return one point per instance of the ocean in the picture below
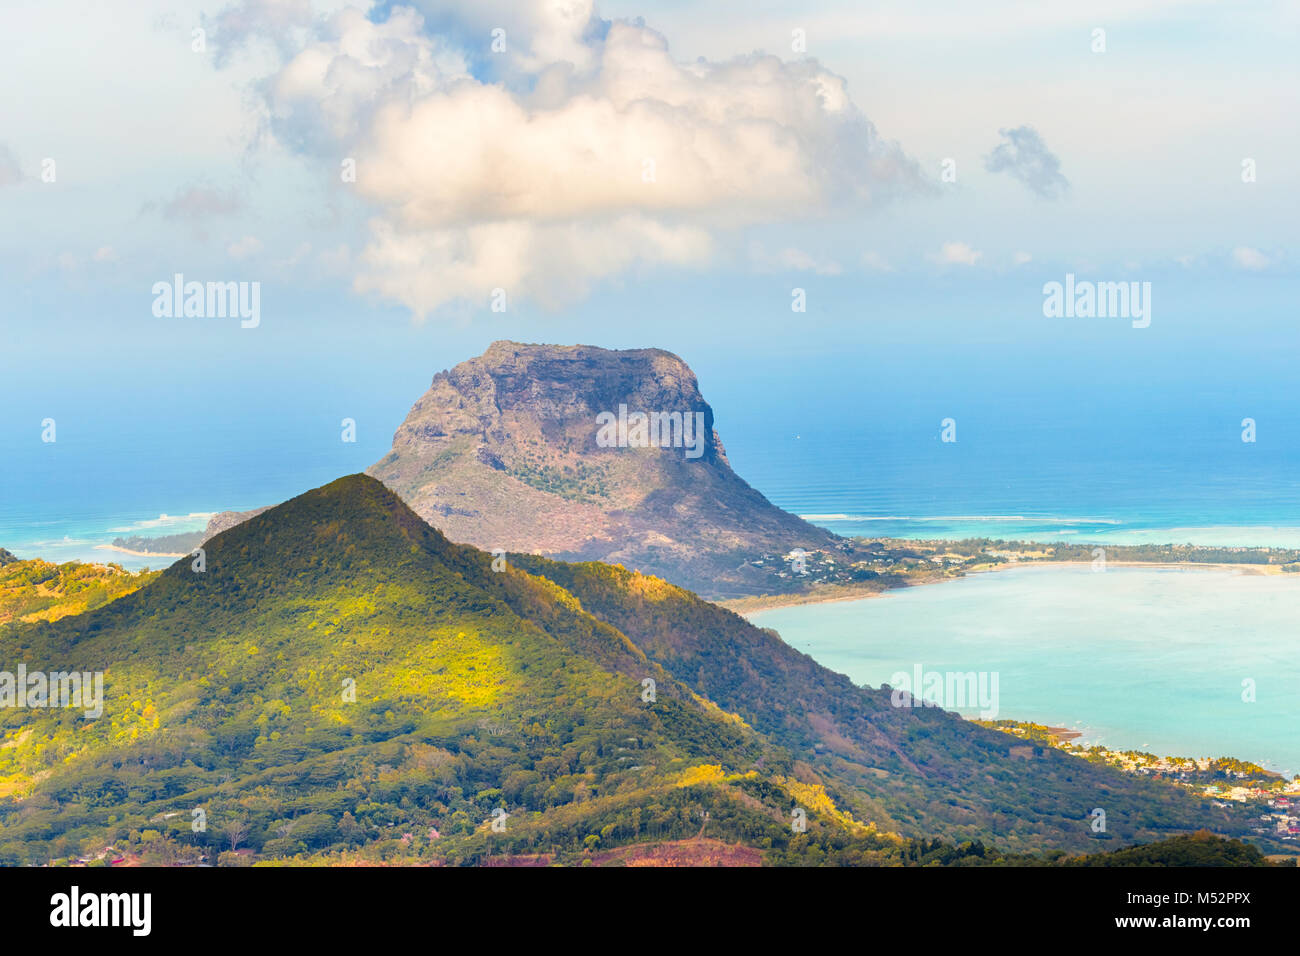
(1176, 473)
(1157, 479)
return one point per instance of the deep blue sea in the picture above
(1163, 478)
(1168, 474)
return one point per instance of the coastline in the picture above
(1083, 735)
(834, 593)
(142, 554)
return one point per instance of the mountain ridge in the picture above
(485, 682)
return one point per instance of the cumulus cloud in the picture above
(280, 22)
(1023, 154)
(532, 34)
(580, 150)
(1245, 257)
(553, 263)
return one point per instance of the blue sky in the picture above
(791, 146)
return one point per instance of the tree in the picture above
(236, 830)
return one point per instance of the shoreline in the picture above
(749, 606)
(142, 554)
(1061, 733)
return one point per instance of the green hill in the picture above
(1191, 849)
(342, 682)
(918, 772)
(41, 590)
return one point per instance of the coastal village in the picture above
(861, 567)
(1224, 780)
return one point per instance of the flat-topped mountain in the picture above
(584, 453)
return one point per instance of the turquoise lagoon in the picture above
(1153, 659)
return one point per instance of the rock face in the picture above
(225, 520)
(179, 545)
(539, 449)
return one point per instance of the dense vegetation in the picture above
(343, 683)
(918, 772)
(230, 692)
(574, 482)
(981, 548)
(1193, 849)
(40, 590)
(165, 544)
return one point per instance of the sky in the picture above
(407, 183)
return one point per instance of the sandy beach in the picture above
(142, 554)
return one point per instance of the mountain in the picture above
(228, 691)
(538, 449)
(341, 679)
(6, 557)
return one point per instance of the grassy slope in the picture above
(42, 591)
(224, 691)
(478, 689)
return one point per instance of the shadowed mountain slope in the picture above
(912, 770)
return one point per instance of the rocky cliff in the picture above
(584, 453)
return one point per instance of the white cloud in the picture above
(536, 34)
(1021, 258)
(958, 253)
(1244, 257)
(553, 263)
(876, 262)
(1023, 154)
(105, 254)
(596, 152)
